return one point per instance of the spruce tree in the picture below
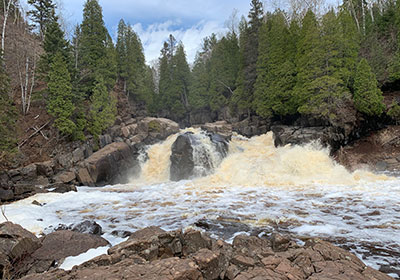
(59, 103)
(54, 43)
(275, 68)
(368, 98)
(243, 95)
(93, 43)
(102, 110)
(42, 14)
(8, 139)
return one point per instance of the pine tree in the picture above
(93, 43)
(54, 43)
(275, 68)
(368, 98)
(102, 108)
(8, 139)
(243, 95)
(122, 54)
(42, 14)
(59, 103)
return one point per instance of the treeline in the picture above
(281, 64)
(272, 64)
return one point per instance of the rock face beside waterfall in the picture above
(196, 155)
(153, 254)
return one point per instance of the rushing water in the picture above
(257, 188)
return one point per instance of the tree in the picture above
(54, 43)
(42, 14)
(59, 103)
(102, 110)
(93, 43)
(275, 68)
(368, 98)
(7, 6)
(7, 116)
(243, 95)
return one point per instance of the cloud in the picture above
(154, 35)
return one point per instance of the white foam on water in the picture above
(298, 190)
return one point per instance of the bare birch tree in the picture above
(6, 9)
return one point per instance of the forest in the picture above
(273, 64)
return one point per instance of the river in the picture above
(256, 189)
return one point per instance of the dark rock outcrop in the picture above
(183, 157)
(182, 163)
(155, 254)
(107, 165)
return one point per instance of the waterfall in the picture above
(251, 162)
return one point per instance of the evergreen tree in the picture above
(368, 98)
(93, 45)
(42, 14)
(275, 68)
(54, 43)
(102, 110)
(8, 140)
(243, 95)
(122, 54)
(59, 103)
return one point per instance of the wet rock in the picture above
(297, 135)
(156, 128)
(221, 127)
(381, 166)
(108, 165)
(90, 227)
(182, 163)
(194, 241)
(61, 188)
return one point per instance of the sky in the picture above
(188, 21)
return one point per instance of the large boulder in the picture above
(182, 163)
(57, 246)
(108, 165)
(190, 158)
(15, 244)
(221, 127)
(296, 135)
(156, 129)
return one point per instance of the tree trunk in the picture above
(3, 34)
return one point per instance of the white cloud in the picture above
(155, 34)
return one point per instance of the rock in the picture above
(42, 181)
(157, 128)
(58, 245)
(90, 227)
(29, 172)
(65, 177)
(221, 127)
(24, 188)
(182, 163)
(65, 161)
(381, 166)
(104, 140)
(153, 254)
(15, 244)
(108, 165)
(84, 177)
(45, 168)
(78, 155)
(61, 188)
(6, 195)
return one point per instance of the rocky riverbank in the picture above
(152, 253)
(93, 163)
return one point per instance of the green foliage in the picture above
(42, 14)
(394, 111)
(8, 141)
(154, 126)
(368, 98)
(94, 47)
(174, 81)
(102, 108)
(275, 68)
(54, 42)
(59, 103)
